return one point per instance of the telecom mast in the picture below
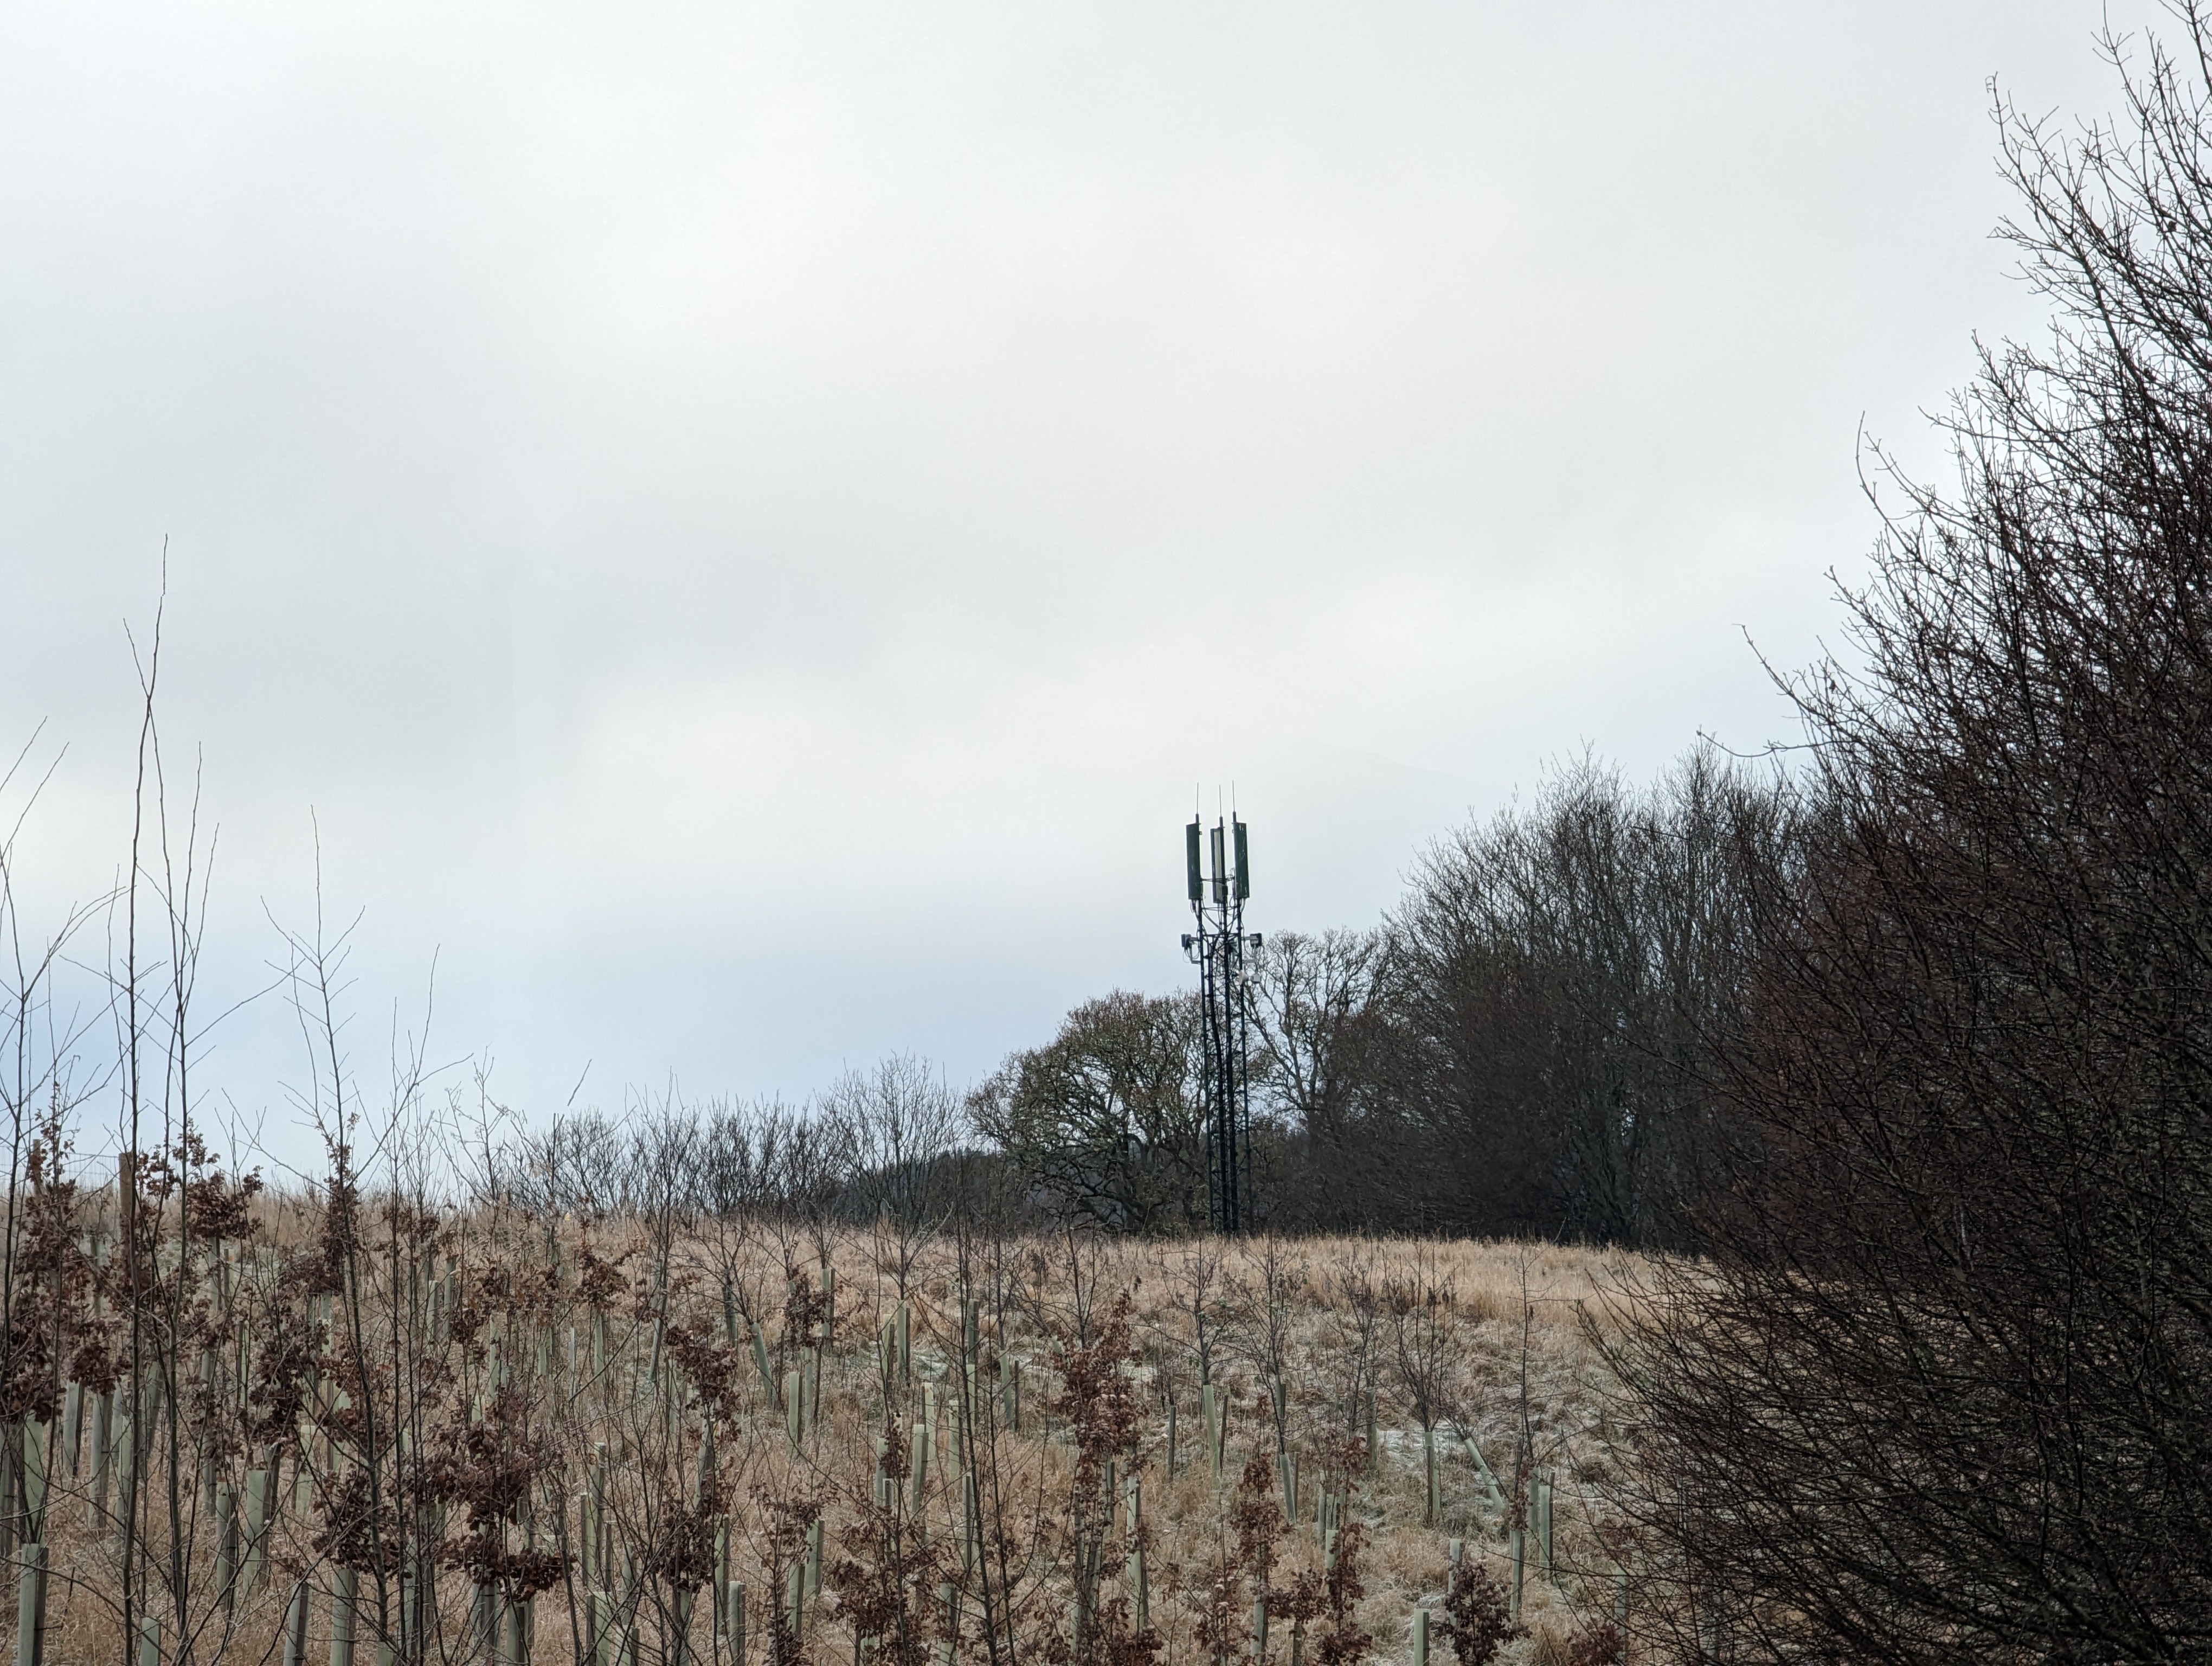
(1218, 946)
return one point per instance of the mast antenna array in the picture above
(1217, 892)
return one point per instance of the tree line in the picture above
(1523, 1048)
(1912, 1043)
(1908, 1042)
(1909, 1039)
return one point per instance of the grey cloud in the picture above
(730, 515)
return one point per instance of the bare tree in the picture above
(1942, 1392)
(902, 1123)
(1560, 977)
(1266, 1283)
(1193, 1275)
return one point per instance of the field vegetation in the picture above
(356, 1424)
(1767, 1215)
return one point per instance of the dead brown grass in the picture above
(1520, 1377)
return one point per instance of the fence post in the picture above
(1209, 1403)
(1544, 1523)
(126, 1456)
(678, 1651)
(484, 1622)
(226, 1546)
(767, 1370)
(410, 1600)
(520, 1626)
(103, 1435)
(37, 1440)
(599, 1640)
(72, 1427)
(31, 1606)
(303, 1476)
(1432, 1501)
(12, 1459)
(720, 1619)
(256, 1528)
(1489, 1480)
(708, 1472)
(296, 1626)
(342, 1617)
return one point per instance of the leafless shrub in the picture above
(1941, 1392)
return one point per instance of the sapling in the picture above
(1478, 1620)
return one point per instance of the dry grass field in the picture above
(782, 1439)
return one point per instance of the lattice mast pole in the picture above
(1217, 892)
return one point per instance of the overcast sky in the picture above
(749, 527)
